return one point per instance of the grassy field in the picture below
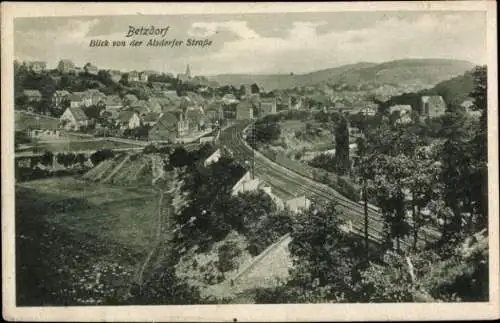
(24, 121)
(80, 243)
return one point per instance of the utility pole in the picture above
(253, 151)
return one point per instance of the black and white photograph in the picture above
(260, 155)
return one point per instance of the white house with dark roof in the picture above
(74, 118)
(298, 204)
(76, 100)
(129, 119)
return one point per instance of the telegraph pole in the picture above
(253, 151)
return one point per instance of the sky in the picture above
(256, 43)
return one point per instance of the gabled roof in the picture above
(94, 91)
(124, 116)
(194, 114)
(168, 117)
(61, 92)
(151, 117)
(433, 99)
(78, 114)
(268, 100)
(400, 107)
(76, 97)
(130, 97)
(113, 100)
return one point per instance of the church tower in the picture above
(188, 71)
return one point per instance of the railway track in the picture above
(285, 180)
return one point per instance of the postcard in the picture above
(250, 161)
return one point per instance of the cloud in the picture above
(237, 27)
(300, 44)
(431, 36)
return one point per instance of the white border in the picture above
(289, 312)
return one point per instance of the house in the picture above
(90, 69)
(151, 118)
(244, 111)
(144, 76)
(128, 99)
(249, 184)
(246, 184)
(32, 96)
(195, 118)
(94, 97)
(298, 204)
(213, 158)
(295, 103)
(129, 119)
(74, 119)
(268, 106)
(140, 106)
(155, 104)
(115, 75)
(37, 67)
(112, 104)
(76, 100)
(133, 76)
(169, 127)
(66, 66)
(278, 202)
(214, 113)
(432, 106)
(229, 99)
(59, 97)
(404, 113)
(368, 110)
(469, 107)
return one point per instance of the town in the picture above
(155, 188)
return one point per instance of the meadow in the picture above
(80, 242)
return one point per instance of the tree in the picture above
(47, 158)
(426, 276)
(255, 88)
(101, 155)
(390, 191)
(342, 146)
(80, 158)
(479, 176)
(324, 256)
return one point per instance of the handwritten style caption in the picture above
(159, 39)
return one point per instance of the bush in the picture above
(150, 149)
(227, 254)
(101, 155)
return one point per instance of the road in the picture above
(288, 184)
